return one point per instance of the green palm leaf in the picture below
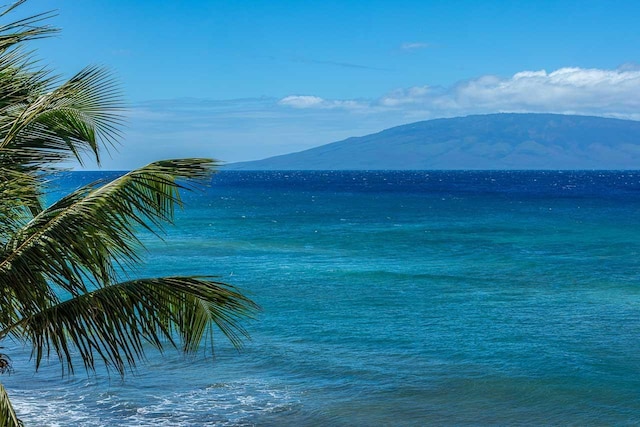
(21, 30)
(89, 236)
(112, 324)
(18, 193)
(42, 126)
(70, 120)
(8, 416)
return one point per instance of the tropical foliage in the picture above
(66, 287)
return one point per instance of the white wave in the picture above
(225, 404)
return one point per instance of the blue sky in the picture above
(246, 80)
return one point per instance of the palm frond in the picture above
(22, 79)
(71, 120)
(19, 198)
(24, 29)
(8, 416)
(113, 324)
(90, 235)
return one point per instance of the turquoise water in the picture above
(390, 298)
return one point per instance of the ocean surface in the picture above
(388, 298)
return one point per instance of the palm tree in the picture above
(65, 282)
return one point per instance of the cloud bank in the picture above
(566, 90)
(255, 128)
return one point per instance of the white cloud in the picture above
(405, 96)
(576, 90)
(307, 101)
(614, 93)
(302, 101)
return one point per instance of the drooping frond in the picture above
(42, 122)
(113, 324)
(84, 237)
(71, 120)
(8, 416)
(22, 80)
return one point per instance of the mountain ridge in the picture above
(478, 142)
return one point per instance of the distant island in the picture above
(493, 141)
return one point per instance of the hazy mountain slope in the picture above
(495, 141)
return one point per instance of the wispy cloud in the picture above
(412, 46)
(307, 101)
(629, 66)
(237, 129)
(301, 101)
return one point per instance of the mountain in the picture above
(494, 141)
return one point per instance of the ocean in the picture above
(388, 298)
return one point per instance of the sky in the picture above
(247, 80)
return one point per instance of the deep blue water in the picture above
(390, 298)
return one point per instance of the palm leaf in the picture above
(42, 124)
(113, 324)
(8, 416)
(21, 30)
(19, 196)
(89, 236)
(22, 79)
(69, 121)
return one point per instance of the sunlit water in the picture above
(390, 298)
